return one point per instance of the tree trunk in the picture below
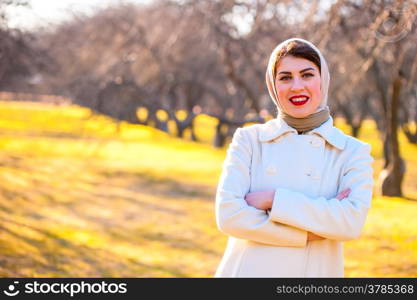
(355, 130)
(219, 138)
(155, 121)
(392, 176)
(387, 148)
(184, 124)
(180, 130)
(192, 129)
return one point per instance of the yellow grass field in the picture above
(83, 196)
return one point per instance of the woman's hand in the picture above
(264, 199)
(260, 200)
(343, 194)
(314, 237)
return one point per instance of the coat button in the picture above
(312, 175)
(271, 170)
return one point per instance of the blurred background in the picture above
(115, 117)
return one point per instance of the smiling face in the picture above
(297, 84)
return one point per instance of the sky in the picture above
(44, 12)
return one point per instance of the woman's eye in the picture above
(305, 75)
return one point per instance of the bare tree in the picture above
(195, 57)
(382, 52)
(20, 57)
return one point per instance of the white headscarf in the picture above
(325, 75)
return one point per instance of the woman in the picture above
(294, 189)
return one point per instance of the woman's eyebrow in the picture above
(302, 71)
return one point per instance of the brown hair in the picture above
(297, 49)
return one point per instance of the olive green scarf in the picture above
(308, 123)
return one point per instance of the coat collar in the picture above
(277, 127)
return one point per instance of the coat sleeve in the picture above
(331, 218)
(234, 216)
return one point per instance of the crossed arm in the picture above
(264, 200)
(293, 215)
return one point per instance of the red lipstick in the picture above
(299, 100)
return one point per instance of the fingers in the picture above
(343, 194)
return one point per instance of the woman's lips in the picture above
(298, 101)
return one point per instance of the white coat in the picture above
(306, 171)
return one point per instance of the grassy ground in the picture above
(81, 196)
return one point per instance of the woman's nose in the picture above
(297, 85)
